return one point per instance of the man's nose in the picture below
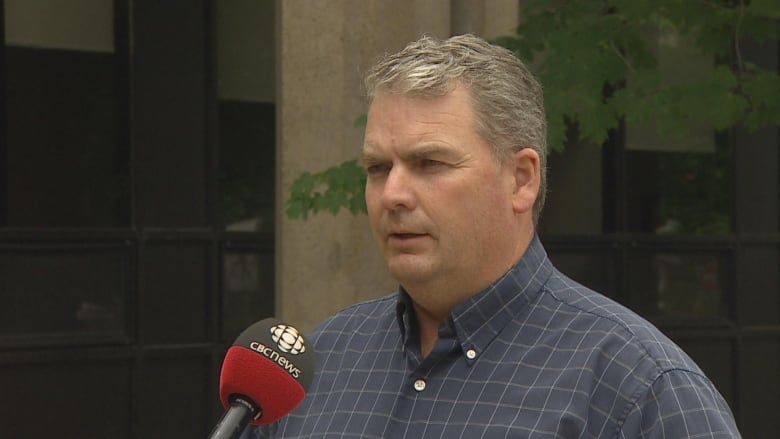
(398, 190)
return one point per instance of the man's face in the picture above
(439, 202)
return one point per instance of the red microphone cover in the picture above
(271, 364)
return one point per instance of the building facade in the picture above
(146, 152)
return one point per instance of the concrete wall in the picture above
(328, 262)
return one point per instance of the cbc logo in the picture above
(288, 339)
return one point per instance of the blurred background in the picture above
(147, 149)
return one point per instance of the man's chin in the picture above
(410, 269)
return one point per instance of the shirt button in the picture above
(471, 354)
(419, 385)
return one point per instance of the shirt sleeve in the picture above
(679, 404)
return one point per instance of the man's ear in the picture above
(527, 179)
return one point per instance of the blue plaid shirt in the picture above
(534, 355)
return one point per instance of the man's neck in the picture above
(434, 302)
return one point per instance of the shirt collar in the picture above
(481, 318)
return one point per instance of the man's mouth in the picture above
(405, 235)
(399, 237)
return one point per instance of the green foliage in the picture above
(599, 64)
(337, 187)
(329, 190)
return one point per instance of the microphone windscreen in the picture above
(271, 364)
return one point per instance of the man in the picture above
(485, 338)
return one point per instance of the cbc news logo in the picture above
(288, 339)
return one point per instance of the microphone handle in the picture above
(234, 419)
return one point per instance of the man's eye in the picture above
(428, 163)
(377, 169)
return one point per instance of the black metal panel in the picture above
(175, 290)
(174, 396)
(62, 161)
(247, 166)
(758, 299)
(757, 167)
(595, 266)
(759, 381)
(169, 94)
(681, 287)
(87, 399)
(59, 293)
(247, 288)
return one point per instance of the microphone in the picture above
(264, 376)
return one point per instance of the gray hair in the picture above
(507, 99)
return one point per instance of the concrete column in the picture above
(327, 262)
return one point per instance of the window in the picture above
(136, 208)
(64, 149)
(687, 233)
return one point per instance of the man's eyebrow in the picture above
(427, 150)
(369, 156)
